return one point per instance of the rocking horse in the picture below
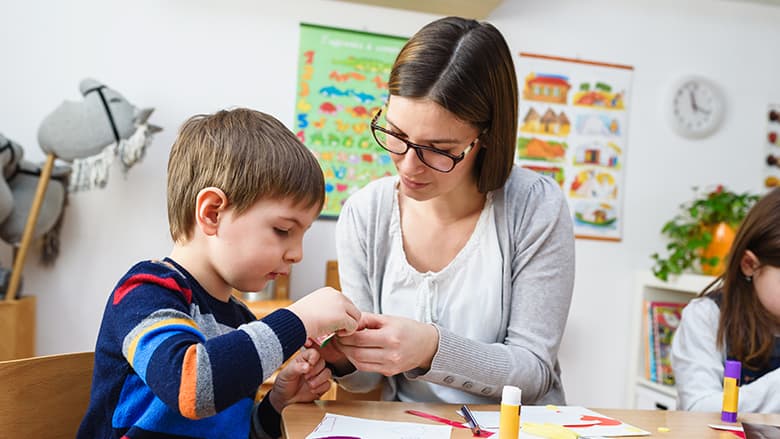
(87, 135)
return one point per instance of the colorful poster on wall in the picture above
(342, 82)
(572, 128)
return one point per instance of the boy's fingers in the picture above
(312, 356)
(301, 367)
(319, 379)
(322, 388)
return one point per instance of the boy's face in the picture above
(262, 243)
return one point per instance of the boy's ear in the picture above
(210, 205)
(748, 263)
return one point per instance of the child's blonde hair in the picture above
(247, 154)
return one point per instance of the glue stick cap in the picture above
(732, 369)
(511, 395)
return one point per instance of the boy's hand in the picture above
(339, 364)
(304, 379)
(326, 310)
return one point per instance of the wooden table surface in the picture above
(299, 420)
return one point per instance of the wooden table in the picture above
(298, 420)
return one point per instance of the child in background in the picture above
(177, 355)
(737, 317)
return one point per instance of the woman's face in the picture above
(426, 123)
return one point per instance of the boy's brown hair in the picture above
(247, 154)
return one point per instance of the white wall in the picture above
(186, 57)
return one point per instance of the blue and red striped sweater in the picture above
(173, 361)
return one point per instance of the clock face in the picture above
(697, 107)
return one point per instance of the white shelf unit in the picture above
(642, 393)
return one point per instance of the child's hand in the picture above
(304, 379)
(326, 310)
(332, 355)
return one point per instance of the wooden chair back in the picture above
(332, 274)
(44, 396)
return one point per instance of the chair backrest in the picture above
(332, 274)
(44, 396)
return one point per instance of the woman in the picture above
(463, 262)
(737, 317)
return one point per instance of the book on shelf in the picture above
(662, 320)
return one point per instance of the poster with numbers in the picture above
(572, 127)
(342, 78)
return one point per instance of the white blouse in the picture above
(464, 297)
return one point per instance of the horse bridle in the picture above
(99, 90)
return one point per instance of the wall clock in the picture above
(696, 107)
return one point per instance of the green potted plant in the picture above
(701, 234)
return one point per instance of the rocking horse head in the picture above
(87, 134)
(80, 129)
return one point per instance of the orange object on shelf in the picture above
(722, 238)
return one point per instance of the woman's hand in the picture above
(389, 344)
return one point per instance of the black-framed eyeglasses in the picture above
(435, 159)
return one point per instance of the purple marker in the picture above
(731, 373)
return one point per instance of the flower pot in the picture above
(722, 238)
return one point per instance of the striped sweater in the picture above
(173, 361)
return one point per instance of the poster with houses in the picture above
(342, 78)
(573, 128)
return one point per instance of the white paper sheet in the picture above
(348, 427)
(592, 424)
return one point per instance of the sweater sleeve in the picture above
(698, 366)
(166, 349)
(542, 281)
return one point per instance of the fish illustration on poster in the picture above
(572, 128)
(342, 82)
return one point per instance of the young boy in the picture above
(177, 355)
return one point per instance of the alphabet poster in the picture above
(342, 78)
(573, 128)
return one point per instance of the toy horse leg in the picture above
(24, 244)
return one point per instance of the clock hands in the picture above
(693, 100)
(696, 108)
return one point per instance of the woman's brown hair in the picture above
(466, 67)
(746, 329)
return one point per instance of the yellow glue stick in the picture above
(509, 420)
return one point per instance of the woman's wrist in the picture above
(431, 346)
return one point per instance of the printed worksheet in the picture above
(343, 427)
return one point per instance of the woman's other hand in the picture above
(390, 344)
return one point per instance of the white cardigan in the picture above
(536, 241)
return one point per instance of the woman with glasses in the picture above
(463, 262)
